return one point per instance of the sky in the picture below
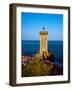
(32, 24)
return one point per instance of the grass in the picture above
(36, 68)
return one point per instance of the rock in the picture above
(33, 68)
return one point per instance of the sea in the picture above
(31, 47)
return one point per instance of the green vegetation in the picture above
(36, 68)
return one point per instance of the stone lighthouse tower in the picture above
(43, 42)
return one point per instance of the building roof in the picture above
(43, 33)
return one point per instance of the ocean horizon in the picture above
(31, 47)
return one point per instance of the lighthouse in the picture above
(43, 42)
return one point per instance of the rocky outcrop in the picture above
(34, 66)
